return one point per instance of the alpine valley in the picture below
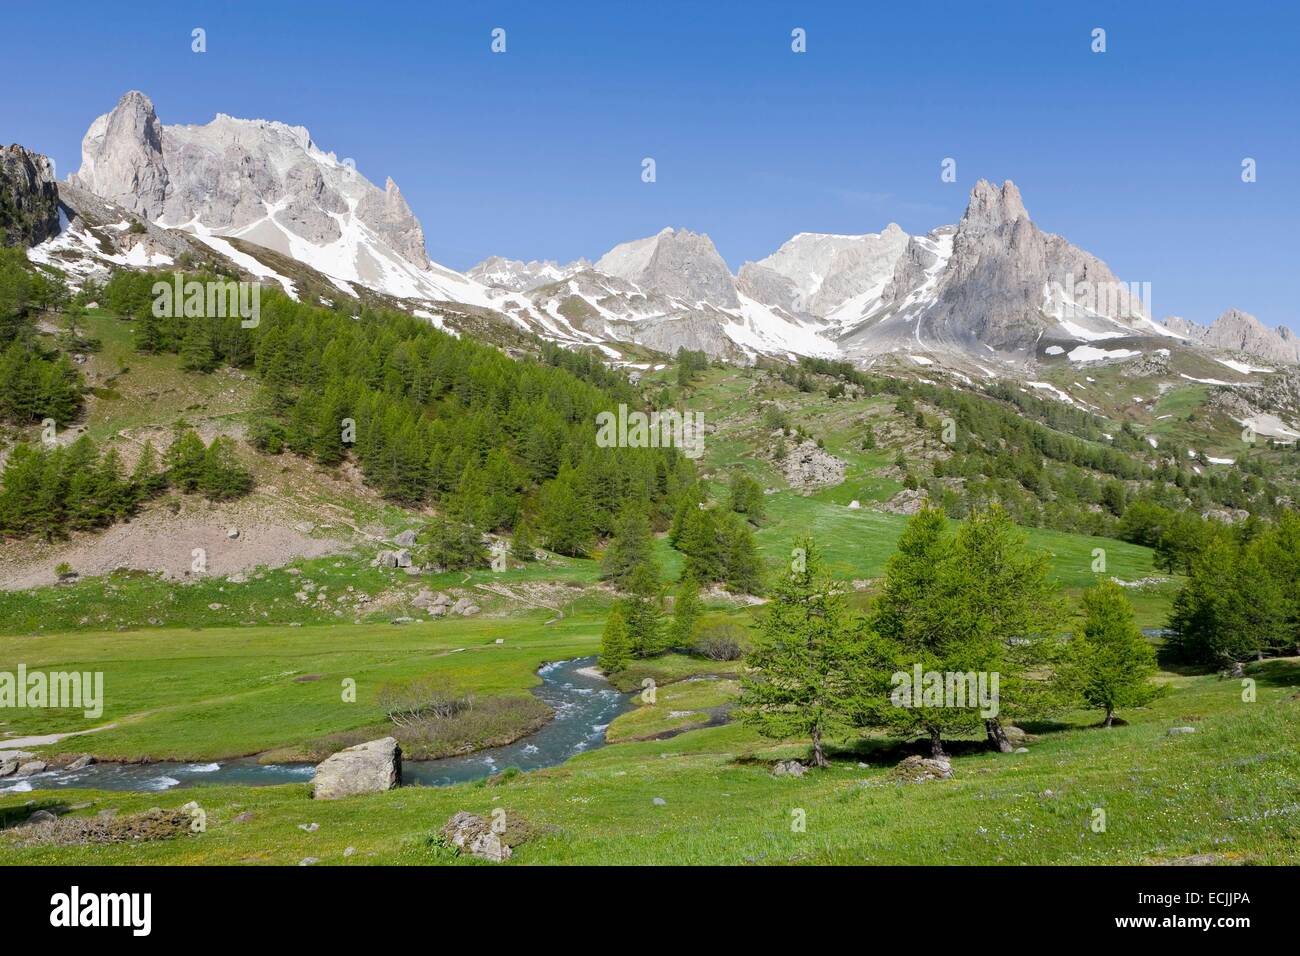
(366, 582)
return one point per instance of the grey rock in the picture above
(807, 467)
(1181, 730)
(405, 540)
(470, 833)
(29, 198)
(40, 816)
(402, 558)
(659, 802)
(366, 768)
(916, 769)
(31, 767)
(789, 768)
(309, 827)
(81, 763)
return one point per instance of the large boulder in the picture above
(470, 833)
(405, 540)
(789, 768)
(366, 768)
(32, 767)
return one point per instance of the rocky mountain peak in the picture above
(991, 206)
(675, 262)
(122, 157)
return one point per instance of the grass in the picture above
(1231, 789)
(203, 695)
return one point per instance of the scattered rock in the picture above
(366, 768)
(907, 502)
(470, 833)
(464, 607)
(245, 816)
(40, 816)
(1181, 730)
(659, 802)
(232, 533)
(916, 769)
(789, 768)
(349, 851)
(309, 827)
(308, 860)
(808, 467)
(438, 610)
(1021, 750)
(403, 620)
(8, 766)
(855, 504)
(1196, 859)
(81, 763)
(31, 767)
(304, 527)
(402, 558)
(214, 606)
(405, 540)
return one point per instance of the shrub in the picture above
(721, 641)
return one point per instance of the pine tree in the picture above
(631, 548)
(804, 675)
(184, 460)
(687, 609)
(1109, 663)
(197, 353)
(643, 614)
(566, 521)
(146, 478)
(996, 604)
(701, 544)
(521, 542)
(615, 645)
(742, 570)
(746, 498)
(222, 477)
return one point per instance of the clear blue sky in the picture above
(1133, 154)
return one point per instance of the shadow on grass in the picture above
(14, 816)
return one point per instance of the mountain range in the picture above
(992, 294)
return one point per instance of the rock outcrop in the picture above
(29, 198)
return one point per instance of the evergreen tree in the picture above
(566, 521)
(221, 476)
(184, 460)
(644, 616)
(701, 544)
(687, 609)
(631, 548)
(746, 498)
(804, 675)
(742, 570)
(522, 547)
(1109, 663)
(451, 544)
(615, 644)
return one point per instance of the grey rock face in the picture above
(677, 263)
(366, 768)
(1241, 332)
(29, 199)
(815, 273)
(232, 174)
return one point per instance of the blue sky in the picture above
(1134, 154)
